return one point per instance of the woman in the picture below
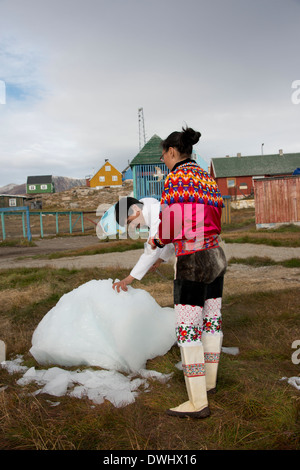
(191, 209)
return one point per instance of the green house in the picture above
(149, 172)
(39, 184)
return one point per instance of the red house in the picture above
(235, 175)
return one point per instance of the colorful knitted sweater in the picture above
(191, 209)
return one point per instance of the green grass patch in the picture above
(257, 261)
(117, 248)
(17, 242)
(262, 241)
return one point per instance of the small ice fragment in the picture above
(232, 351)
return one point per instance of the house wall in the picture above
(148, 180)
(235, 186)
(106, 176)
(11, 201)
(277, 200)
(35, 188)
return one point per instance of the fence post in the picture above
(41, 225)
(226, 213)
(28, 224)
(3, 225)
(23, 224)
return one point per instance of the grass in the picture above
(257, 261)
(252, 408)
(263, 240)
(110, 247)
(17, 242)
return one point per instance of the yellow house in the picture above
(108, 175)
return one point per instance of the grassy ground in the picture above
(252, 409)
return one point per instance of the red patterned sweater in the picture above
(191, 209)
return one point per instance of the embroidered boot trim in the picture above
(193, 370)
(211, 357)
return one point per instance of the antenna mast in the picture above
(142, 134)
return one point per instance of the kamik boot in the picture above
(194, 374)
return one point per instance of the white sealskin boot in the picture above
(194, 374)
(212, 344)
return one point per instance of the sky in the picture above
(73, 74)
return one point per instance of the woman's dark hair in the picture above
(123, 209)
(182, 141)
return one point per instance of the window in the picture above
(12, 202)
(43, 186)
(230, 182)
(114, 178)
(32, 187)
(107, 168)
(102, 178)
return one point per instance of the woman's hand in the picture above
(123, 284)
(152, 244)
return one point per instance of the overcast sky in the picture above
(76, 72)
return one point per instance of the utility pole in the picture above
(142, 134)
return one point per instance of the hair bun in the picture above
(190, 136)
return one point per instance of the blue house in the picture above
(149, 172)
(200, 161)
(127, 174)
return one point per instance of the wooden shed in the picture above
(108, 175)
(277, 201)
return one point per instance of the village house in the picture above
(40, 184)
(107, 176)
(127, 173)
(11, 200)
(235, 175)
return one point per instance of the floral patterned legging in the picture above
(193, 320)
(198, 289)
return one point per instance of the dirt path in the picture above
(13, 257)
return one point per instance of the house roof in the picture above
(107, 162)
(23, 196)
(43, 179)
(150, 153)
(256, 165)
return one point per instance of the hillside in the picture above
(61, 183)
(83, 198)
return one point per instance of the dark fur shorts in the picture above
(199, 276)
